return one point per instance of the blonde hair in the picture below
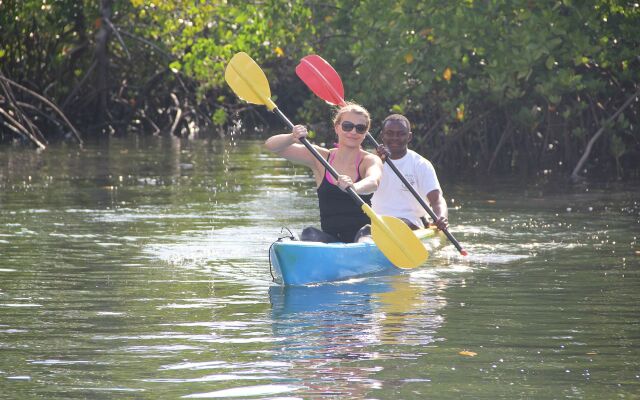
(353, 108)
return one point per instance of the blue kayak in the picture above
(300, 263)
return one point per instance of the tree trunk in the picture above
(102, 62)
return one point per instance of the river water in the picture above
(138, 268)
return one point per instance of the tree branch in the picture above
(49, 103)
(115, 32)
(574, 175)
(18, 128)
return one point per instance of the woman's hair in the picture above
(353, 108)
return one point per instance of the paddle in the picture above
(394, 239)
(325, 82)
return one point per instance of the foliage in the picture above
(492, 86)
(165, 66)
(515, 85)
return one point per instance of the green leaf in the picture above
(219, 117)
(550, 62)
(397, 109)
(175, 66)
(617, 146)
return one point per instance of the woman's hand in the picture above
(344, 181)
(298, 132)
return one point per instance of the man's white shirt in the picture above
(393, 198)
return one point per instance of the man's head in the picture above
(396, 134)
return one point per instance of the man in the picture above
(392, 197)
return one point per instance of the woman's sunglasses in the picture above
(347, 126)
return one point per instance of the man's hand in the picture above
(383, 153)
(442, 223)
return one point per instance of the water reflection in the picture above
(408, 312)
(322, 330)
(338, 337)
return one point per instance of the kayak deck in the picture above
(301, 263)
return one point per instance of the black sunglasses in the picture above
(347, 126)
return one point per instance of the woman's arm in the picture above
(288, 145)
(373, 172)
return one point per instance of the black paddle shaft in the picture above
(317, 155)
(415, 194)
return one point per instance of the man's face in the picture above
(396, 137)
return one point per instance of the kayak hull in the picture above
(302, 263)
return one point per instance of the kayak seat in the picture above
(311, 234)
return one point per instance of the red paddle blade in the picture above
(321, 78)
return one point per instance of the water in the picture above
(139, 269)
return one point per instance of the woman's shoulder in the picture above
(370, 158)
(324, 152)
(367, 154)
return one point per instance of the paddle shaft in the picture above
(317, 155)
(415, 194)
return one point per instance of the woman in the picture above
(340, 217)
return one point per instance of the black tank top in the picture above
(340, 215)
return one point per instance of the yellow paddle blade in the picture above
(248, 81)
(396, 240)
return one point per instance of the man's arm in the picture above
(440, 209)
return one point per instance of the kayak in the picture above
(297, 262)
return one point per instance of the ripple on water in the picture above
(196, 366)
(20, 305)
(19, 377)
(67, 362)
(214, 378)
(246, 391)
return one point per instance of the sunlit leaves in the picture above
(446, 75)
(219, 117)
(460, 112)
(175, 66)
(408, 58)
(197, 32)
(397, 109)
